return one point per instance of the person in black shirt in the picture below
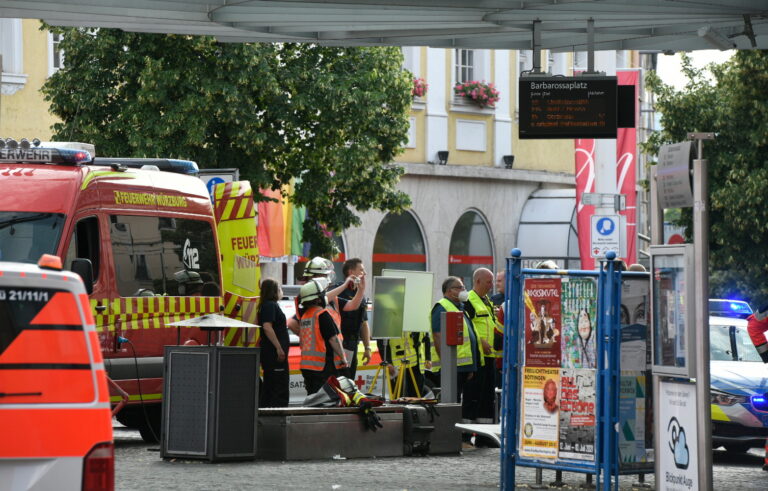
(274, 347)
(354, 323)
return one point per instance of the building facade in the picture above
(477, 189)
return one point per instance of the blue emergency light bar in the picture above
(740, 307)
(168, 165)
(730, 308)
(760, 403)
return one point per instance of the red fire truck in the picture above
(148, 246)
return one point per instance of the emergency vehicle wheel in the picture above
(737, 447)
(150, 434)
(133, 417)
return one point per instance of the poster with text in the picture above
(577, 414)
(678, 449)
(542, 322)
(632, 404)
(635, 345)
(579, 314)
(541, 407)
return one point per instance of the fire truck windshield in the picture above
(25, 236)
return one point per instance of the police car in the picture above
(739, 380)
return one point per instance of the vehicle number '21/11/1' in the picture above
(16, 295)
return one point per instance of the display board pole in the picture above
(701, 303)
(657, 212)
(448, 368)
(511, 366)
(614, 367)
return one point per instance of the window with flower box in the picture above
(470, 65)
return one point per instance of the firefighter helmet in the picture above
(313, 289)
(319, 266)
(188, 281)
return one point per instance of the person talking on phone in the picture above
(354, 321)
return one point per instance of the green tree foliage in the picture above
(333, 118)
(735, 106)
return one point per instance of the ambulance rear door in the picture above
(54, 402)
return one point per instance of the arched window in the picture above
(471, 247)
(399, 244)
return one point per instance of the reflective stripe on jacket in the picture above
(463, 352)
(484, 321)
(313, 349)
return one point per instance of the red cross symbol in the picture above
(360, 382)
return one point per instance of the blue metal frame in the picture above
(606, 464)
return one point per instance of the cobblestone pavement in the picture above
(138, 466)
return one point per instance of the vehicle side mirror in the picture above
(84, 268)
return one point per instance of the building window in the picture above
(465, 65)
(55, 54)
(399, 244)
(470, 248)
(412, 60)
(12, 56)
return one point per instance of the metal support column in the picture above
(536, 45)
(701, 303)
(511, 367)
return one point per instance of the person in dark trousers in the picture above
(468, 357)
(354, 323)
(274, 347)
(480, 310)
(322, 355)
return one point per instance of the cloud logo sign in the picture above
(677, 443)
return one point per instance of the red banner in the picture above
(626, 167)
(585, 183)
(626, 180)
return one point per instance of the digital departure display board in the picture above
(567, 107)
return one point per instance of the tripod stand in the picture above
(383, 365)
(400, 382)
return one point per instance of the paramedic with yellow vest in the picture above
(479, 309)
(468, 357)
(321, 353)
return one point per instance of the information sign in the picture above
(605, 235)
(212, 177)
(673, 176)
(567, 107)
(678, 442)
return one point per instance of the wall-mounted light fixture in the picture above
(442, 157)
(716, 38)
(509, 161)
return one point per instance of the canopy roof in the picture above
(678, 25)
